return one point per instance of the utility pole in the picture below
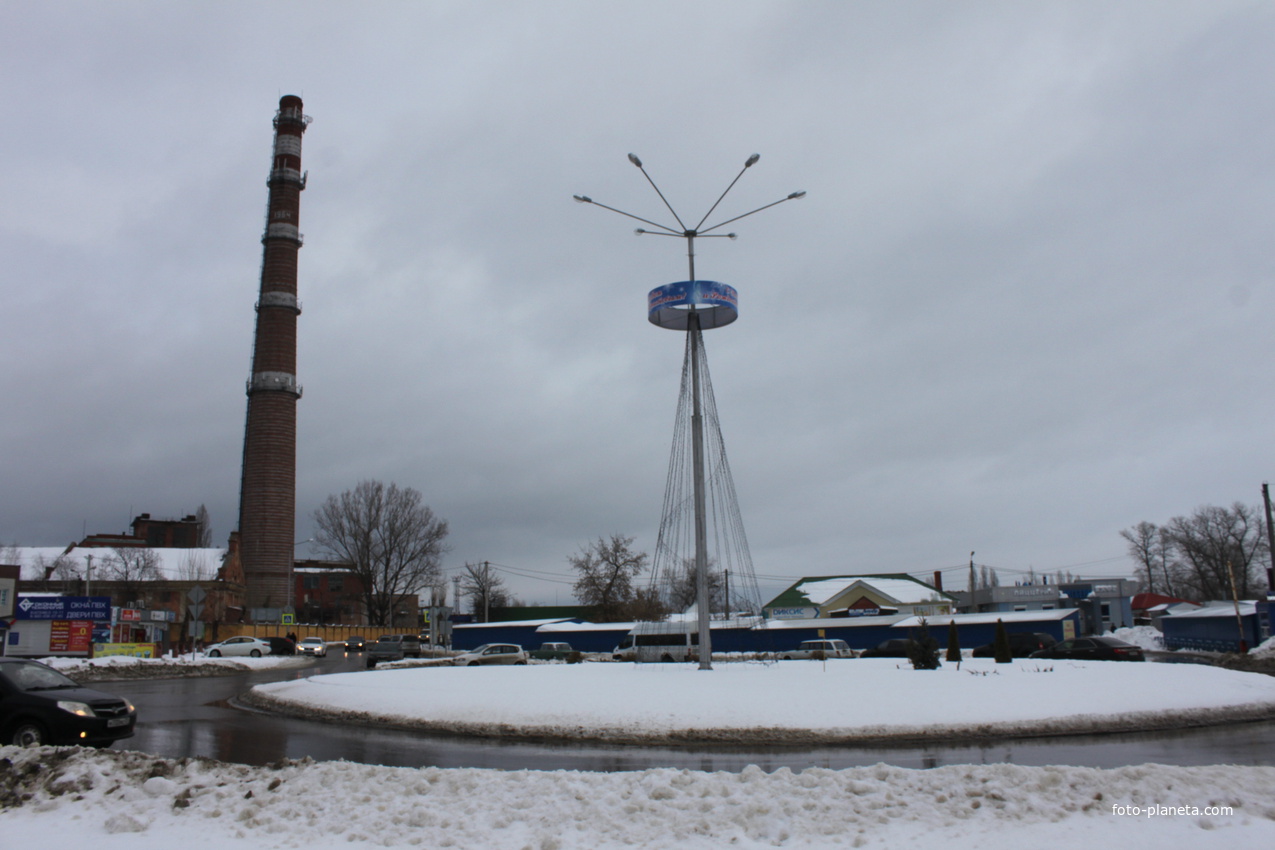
(1239, 620)
(456, 592)
(1270, 542)
(973, 582)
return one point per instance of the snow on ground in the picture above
(810, 701)
(1147, 637)
(1265, 650)
(116, 800)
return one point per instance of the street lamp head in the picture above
(633, 159)
(795, 195)
(583, 199)
(752, 160)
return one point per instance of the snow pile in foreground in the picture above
(131, 667)
(1265, 650)
(789, 702)
(71, 665)
(112, 800)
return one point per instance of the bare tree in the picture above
(132, 567)
(607, 569)
(1150, 547)
(204, 540)
(485, 589)
(683, 587)
(388, 538)
(130, 564)
(648, 604)
(197, 565)
(1212, 544)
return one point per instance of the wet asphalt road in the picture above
(196, 717)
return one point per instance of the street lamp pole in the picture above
(693, 326)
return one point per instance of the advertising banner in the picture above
(715, 303)
(136, 650)
(70, 636)
(64, 608)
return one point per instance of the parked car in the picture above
(315, 646)
(355, 643)
(819, 649)
(1097, 648)
(411, 643)
(892, 648)
(386, 648)
(555, 651)
(39, 705)
(1021, 645)
(492, 653)
(242, 645)
(281, 645)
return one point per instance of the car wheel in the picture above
(216, 653)
(256, 653)
(787, 658)
(516, 663)
(28, 733)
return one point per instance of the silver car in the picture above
(242, 645)
(819, 649)
(492, 653)
(312, 646)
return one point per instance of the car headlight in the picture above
(80, 709)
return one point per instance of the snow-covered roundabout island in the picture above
(806, 702)
(120, 800)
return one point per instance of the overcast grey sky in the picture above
(1026, 303)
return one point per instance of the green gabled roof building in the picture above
(862, 595)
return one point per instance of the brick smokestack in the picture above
(267, 490)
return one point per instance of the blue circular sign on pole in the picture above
(670, 306)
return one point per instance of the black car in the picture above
(893, 648)
(281, 646)
(1021, 645)
(1097, 648)
(354, 644)
(39, 705)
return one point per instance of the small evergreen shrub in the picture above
(1000, 645)
(923, 652)
(953, 643)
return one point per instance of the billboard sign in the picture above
(793, 613)
(70, 636)
(670, 306)
(63, 608)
